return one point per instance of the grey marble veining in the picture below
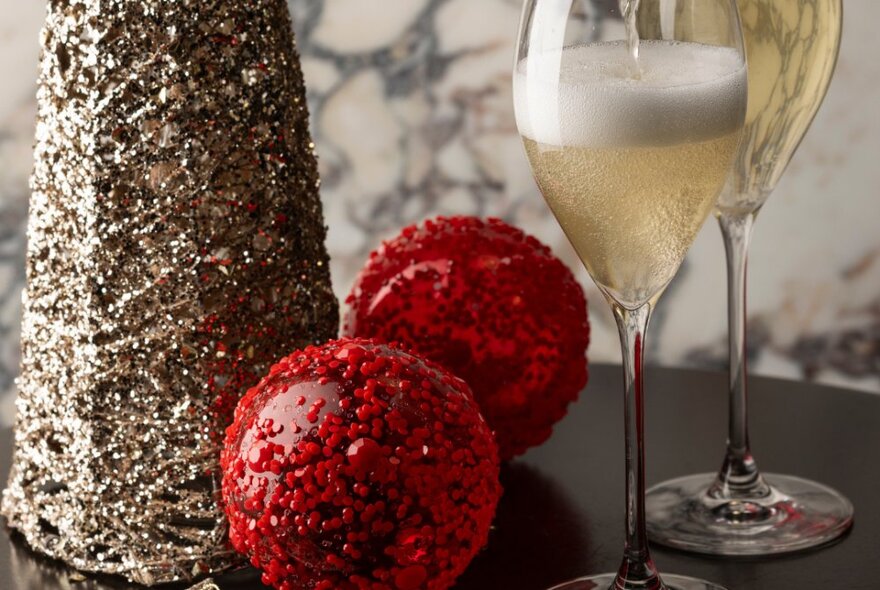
(412, 115)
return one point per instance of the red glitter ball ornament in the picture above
(358, 466)
(494, 306)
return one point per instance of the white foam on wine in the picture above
(585, 95)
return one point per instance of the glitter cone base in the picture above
(176, 249)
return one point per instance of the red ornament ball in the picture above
(494, 306)
(358, 466)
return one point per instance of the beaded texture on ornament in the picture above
(490, 303)
(358, 466)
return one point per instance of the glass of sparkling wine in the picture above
(631, 116)
(792, 48)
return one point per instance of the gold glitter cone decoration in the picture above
(176, 250)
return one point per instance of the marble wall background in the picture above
(412, 116)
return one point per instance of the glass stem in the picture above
(739, 476)
(637, 570)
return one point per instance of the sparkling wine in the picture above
(631, 166)
(792, 48)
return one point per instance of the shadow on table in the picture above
(538, 539)
(32, 571)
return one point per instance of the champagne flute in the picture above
(792, 48)
(630, 124)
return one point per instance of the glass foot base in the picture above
(796, 515)
(606, 582)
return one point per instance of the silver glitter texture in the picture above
(176, 248)
(205, 585)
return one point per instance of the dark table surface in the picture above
(562, 511)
